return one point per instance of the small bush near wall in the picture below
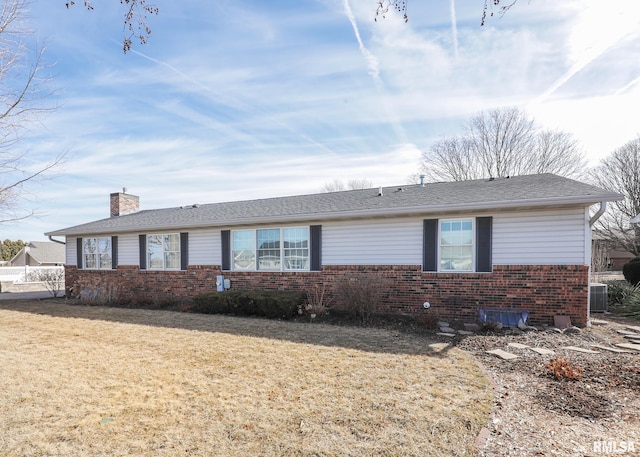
(631, 271)
(362, 294)
(274, 304)
(624, 298)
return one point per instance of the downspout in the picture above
(595, 217)
(56, 241)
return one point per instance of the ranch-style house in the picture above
(520, 242)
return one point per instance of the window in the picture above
(96, 253)
(456, 245)
(268, 249)
(296, 248)
(273, 249)
(163, 251)
(243, 252)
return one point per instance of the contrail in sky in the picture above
(374, 71)
(238, 103)
(372, 62)
(454, 27)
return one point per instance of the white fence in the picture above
(22, 275)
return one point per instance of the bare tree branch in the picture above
(503, 142)
(353, 184)
(135, 20)
(400, 6)
(619, 173)
(23, 95)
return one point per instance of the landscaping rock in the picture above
(583, 350)
(572, 331)
(542, 351)
(561, 322)
(526, 328)
(612, 349)
(518, 345)
(439, 347)
(503, 354)
(635, 347)
(471, 327)
(447, 334)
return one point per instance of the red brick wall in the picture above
(543, 290)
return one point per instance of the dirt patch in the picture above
(536, 414)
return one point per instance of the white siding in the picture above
(71, 251)
(372, 242)
(554, 237)
(557, 237)
(205, 247)
(128, 250)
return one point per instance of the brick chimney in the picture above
(123, 203)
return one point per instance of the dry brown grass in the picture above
(89, 381)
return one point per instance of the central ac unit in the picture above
(598, 301)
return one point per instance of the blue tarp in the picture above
(507, 317)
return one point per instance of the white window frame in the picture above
(472, 245)
(98, 254)
(285, 257)
(164, 251)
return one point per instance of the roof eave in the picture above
(357, 214)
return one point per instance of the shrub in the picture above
(362, 294)
(317, 302)
(51, 278)
(274, 304)
(630, 304)
(489, 327)
(563, 370)
(97, 290)
(631, 271)
(616, 292)
(428, 320)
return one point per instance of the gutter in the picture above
(56, 241)
(600, 212)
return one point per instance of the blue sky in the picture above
(246, 99)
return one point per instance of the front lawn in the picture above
(94, 381)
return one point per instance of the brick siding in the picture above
(543, 290)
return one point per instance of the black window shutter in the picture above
(143, 252)
(483, 244)
(114, 252)
(184, 250)
(430, 245)
(79, 253)
(226, 249)
(315, 233)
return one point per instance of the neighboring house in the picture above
(522, 242)
(612, 256)
(40, 254)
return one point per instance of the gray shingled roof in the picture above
(45, 252)
(515, 192)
